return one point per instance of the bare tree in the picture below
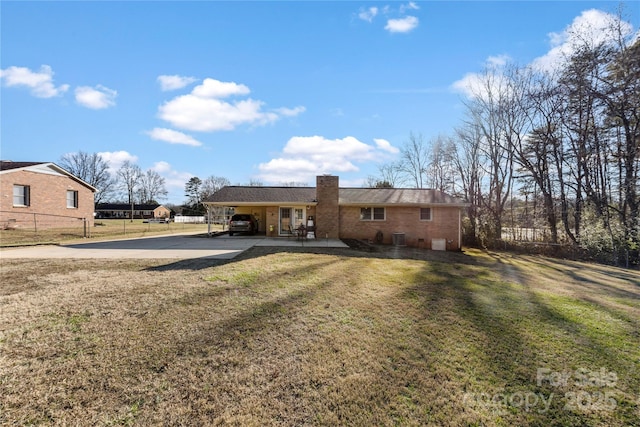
(391, 173)
(489, 108)
(212, 184)
(294, 184)
(373, 182)
(390, 176)
(621, 99)
(414, 158)
(208, 188)
(128, 180)
(92, 169)
(441, 167)
(568, 142)
(469, 164)
(533, 121)
(151, 188)
(601, 118)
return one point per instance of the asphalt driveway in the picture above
(173, 247)
(182, 246)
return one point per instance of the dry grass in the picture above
(104, 229)
(296, 338)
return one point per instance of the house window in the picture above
(372, 214)
(72, 199)
(425, 214)
(21, 195)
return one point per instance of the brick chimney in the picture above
(327, 210)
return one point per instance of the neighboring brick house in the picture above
(123, 210)
(413, 217)
(43, 195)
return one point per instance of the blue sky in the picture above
(268, 91)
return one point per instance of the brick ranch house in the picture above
(123, 210)
(43, 195)
(413, 217)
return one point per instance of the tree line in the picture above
(131, 185)
(554, 150)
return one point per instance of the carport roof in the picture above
(256, 196)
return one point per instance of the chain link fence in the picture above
(29, 226)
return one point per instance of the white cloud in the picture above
(202, 110)
(468, 85)
(161, 167)
(115, 159)
(479, 85)
(209, 115)
(328, 151)
(174, 180)
(96, 98)
(288, 170)
(368, 14)
(402, 25)
(592, 26)
(174, 82)
(305, 157)
(212, 88)
(385, 145)
(498, 61)
(290, 112)
(173, 137)
(409, 6)
(40, 83)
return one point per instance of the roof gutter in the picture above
(280, 203)
(408, 205)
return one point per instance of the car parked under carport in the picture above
(243, 223)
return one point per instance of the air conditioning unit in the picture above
(399, 239)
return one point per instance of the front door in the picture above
(293, 217)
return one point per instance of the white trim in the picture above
(430, 214)
(373, 214)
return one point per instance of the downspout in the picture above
(459, 228)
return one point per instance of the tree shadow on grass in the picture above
(614, 280)
(358, 251)
(508, 331)
(261, 313)
(490, 308)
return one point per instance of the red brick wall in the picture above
(48, 199)
(443, 225)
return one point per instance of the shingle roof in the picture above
(8, 164)
(242, 195)
(263, 195)
(395, 196)
(124, 207)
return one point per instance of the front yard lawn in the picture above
(342, 337)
